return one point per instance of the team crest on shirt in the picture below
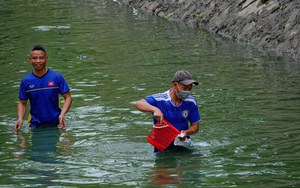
(51, 83)
(185, 113)
(31, 86)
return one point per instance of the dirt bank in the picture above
(271, 25)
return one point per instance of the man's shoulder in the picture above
(53, 72)
(29, 75)
(191, 99)
(161, 96)
(56, 74)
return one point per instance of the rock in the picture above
(272, 25)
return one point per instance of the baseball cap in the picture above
(184, 77)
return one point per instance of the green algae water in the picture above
(112, 56)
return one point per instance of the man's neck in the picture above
(40, 73)
(175, 100)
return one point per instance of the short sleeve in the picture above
(63, 85)
(22, 91)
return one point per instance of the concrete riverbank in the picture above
(271, 25)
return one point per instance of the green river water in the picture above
(112, 56)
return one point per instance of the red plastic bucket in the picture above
(162, 135)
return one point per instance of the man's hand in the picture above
(184, 135)
(62, 122)
(18, 124)
(158, 115)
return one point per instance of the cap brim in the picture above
(189, 82)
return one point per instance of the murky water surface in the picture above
(113, 56)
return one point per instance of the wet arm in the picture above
(66, 106)
(67, 103)
(144, 106)
(21, 109)
(194, 128)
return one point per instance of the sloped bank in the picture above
(268, 24)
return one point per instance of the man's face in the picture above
(38, 59)
(184, 87)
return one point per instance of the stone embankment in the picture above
(271, 25)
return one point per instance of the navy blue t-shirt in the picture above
(43, 95)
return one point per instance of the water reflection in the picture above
(42, 152)
(43, 145)
(174, 168)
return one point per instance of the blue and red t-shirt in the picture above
(179, 116)
(43, 94)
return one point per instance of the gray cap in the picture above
(184, 77)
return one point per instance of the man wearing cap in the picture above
(176, 105)
(42, 87)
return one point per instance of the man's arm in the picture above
(144, 106)
(66, 106)
(21, 109)
(194, 128)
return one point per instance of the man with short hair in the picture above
(176, 105)
(42, 87)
